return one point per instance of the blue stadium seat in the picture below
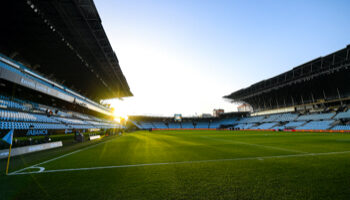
(316, 125)
(343, 115)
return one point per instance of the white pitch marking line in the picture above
(41, 169)
(185, 162)
(62, 156)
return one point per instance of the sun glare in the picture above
(119, 116)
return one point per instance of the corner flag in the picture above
(8, 137)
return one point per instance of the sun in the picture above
(120, 117)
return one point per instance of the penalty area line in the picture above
(183, 162)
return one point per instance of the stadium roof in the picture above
(324, 78)
(64, 40)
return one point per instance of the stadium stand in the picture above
(39, 86)
(323, 116)
(174, 125)
(254, 119)
(343, 115)
(244, 126)
(38, 119)
(265, 126)
(280, 117)
(228, 121)
(281, 121)
(341, 127)
(202, 125)
(160, 125)
(147, 125)
(187, 125)
(216, 124)
(316, 125)
(293, 125)
(299, 99)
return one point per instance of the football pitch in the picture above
(188, 165)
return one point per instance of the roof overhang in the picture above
(65, 41)
(328, 74)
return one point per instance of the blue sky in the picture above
(182, 56)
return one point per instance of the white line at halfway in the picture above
(62, 156)
(183, 162)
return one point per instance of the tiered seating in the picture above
(289, 125)
(228, 121)
(160, 125)
(137, 124)
(265, 126)
(70, 121)
(323, 116)
(187, 125)
(146, 125)
(244, 126)
(343, 115)
(11, 104)
(254, 119)
(97, 119)
(16, 116)
(282, 121)
(215, 124)
(341, 127)
(64, 114)
(35, 117)
(279, 127)
(30, 125)
(202, 125)
(174, 125)
(292, 125)
(82, 126)
(271, 118)
(225, 121)
(99, 124)
(84, 117)
(286, 117)
(316, 125)
(7, 115)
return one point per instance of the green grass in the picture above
(233, 165)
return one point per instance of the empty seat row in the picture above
(265, 126)
(160, 125)
(343, 115)
(187, 125)
(341, 127)
(254, 119)
(70, 121)
(28, 125)
(174, 125)
(202, 125)
(244, 126)
(323, 116)
(292, 125)
(316, 125)
(7, 115)
(11, 104)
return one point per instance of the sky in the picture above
(183, 56)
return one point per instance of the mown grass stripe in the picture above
(183, 162)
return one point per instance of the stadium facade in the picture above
(56, 64)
